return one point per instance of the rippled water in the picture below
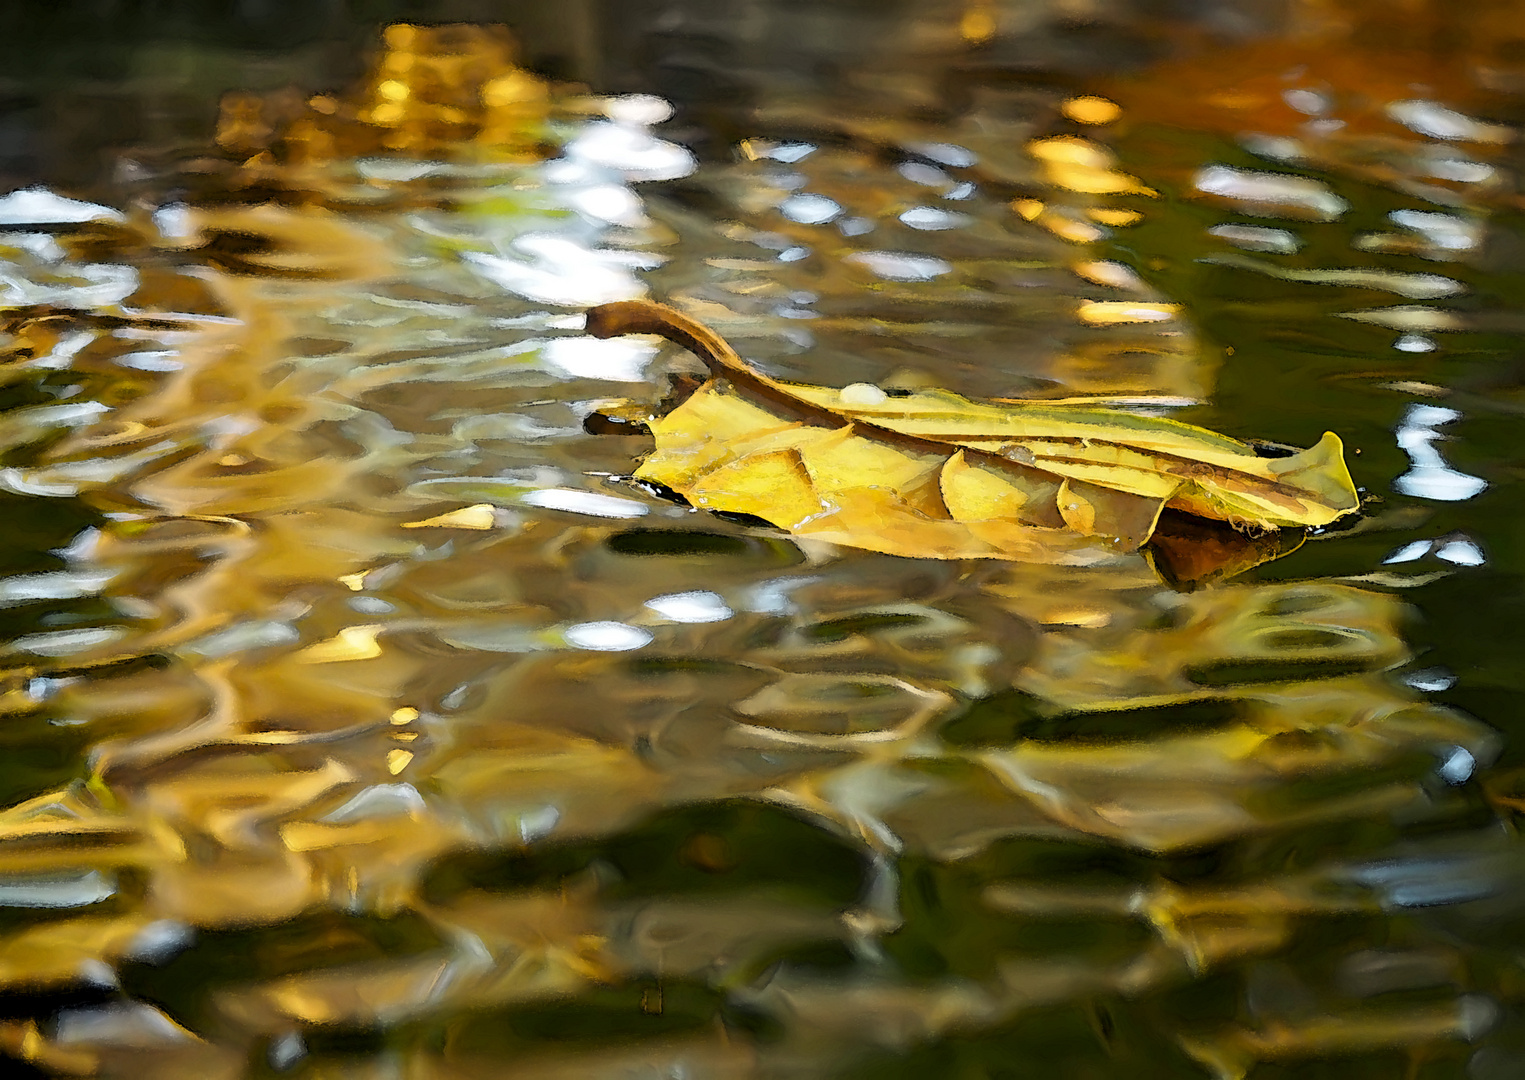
(363, 721)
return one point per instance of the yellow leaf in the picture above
(976, 492)
(933, 474)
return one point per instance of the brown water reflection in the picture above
(416, 743)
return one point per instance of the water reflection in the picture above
(397, 718)
(1272, 194)
(1430, 477)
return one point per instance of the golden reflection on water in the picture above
(397, 621)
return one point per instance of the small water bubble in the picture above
(862, 394)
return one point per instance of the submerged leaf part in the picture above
(933, 474)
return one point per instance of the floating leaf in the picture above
(937, 475)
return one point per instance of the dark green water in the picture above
(361, 721)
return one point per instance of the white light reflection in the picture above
(625, 145)
(925, 175)
(700, 606)
(286, 1051)
(1307, 102)
(1414, 343)
(574, 501)
(931, 219)
(67, 642)
(612, 359)
(900, 265)
(606, 636)
(1463, 170)
(809, 209)
(609, 203)
(1426, 882)
(1431, 680)
(562, 271)
(154, 360)
(1258, 238)
(1458, 766)
(772, 597)
(640, 110)
(242, 637)
(39, 206)
(789, 153)
(1444, 231)
(80, 890)
(378, 801)
(1458, 551)
(1438, 122)
(947, 154)
(92, 285)
(533, 824)
(1461, 553)
(160, 941)
(1272, 192)
(1274, 147)
(397, 171)
(119, 1024)
(1430, 477)
(1416, 549)
(1407, 317)
(56, 585)
(174, 222)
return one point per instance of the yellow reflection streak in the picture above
(351, 643)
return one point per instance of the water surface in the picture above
(363, 720)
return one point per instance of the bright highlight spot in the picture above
(573, 501)
(351, 643)
(1089, 109)
(1112, 312)
(899, 265)
(691, 607)
(607, 636)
